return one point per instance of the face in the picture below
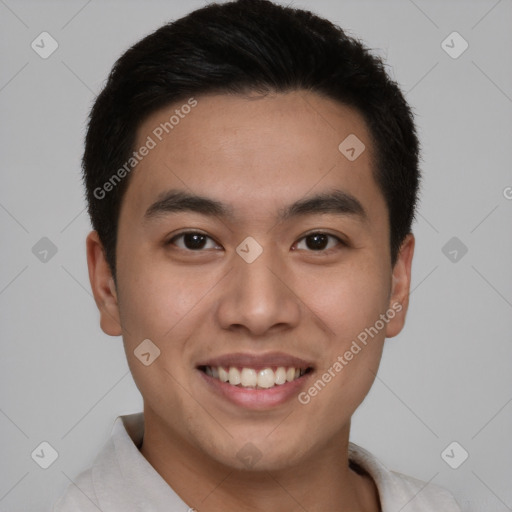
(250, 281)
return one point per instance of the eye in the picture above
(192, 241)
(319, 242)
(196, 241)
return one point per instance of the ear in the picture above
(400, 287)
(103, 287)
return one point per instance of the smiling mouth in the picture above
(251, 378)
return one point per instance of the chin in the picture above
(258, 454)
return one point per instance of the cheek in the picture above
(166, 306)
(349, 300)
(350, 303)
(159, 306)
(157, 300)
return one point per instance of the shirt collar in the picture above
(124, 480)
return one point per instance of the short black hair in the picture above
(240, 47)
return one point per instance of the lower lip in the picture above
(257, 398)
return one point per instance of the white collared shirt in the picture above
(122, 480)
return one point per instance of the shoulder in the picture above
(422, 496)
(398, 491)
(83, 494)
(79, 495)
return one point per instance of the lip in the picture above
(257, 361)
(256, 399)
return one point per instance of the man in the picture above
(251, 176)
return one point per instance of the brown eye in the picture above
(319, 242)
(192, 241)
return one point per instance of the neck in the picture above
(322, 482)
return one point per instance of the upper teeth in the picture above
(251, 378)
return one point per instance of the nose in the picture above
(259, 296)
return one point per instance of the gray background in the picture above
(447, 377)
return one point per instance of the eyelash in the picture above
(322, 251)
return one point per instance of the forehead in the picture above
(254, 150)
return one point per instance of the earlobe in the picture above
(103, 286)
(400, 287)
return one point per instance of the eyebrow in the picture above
(335, 201)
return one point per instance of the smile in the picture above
(251, 378)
